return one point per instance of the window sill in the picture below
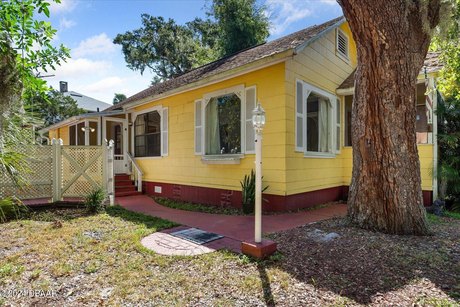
(222, 159)
(319, 155)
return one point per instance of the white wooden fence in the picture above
(59, 171)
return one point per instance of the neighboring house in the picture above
(84, 102)
(192, 136)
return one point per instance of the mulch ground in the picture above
(372, 268)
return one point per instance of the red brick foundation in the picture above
(231, 198)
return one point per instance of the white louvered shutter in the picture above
(164, 132)
(299, 119)
(198, 127)
(251, 98)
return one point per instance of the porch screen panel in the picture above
(81, 133)
(93, 133)
(72, 135)
(250, 105)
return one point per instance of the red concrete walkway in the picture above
(236, 227)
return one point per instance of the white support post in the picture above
(111, 179)
(258, 191)
(435, 142)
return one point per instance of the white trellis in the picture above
(58, 172)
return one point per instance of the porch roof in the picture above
(76, 118)
(432, 64)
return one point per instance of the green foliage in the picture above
(52, 107)
(248, 189)
(166, 48)
(95, 201)
(187, 206)
(243, 24)
(169, 49)
(12, 208)
(118, 98)
(21, 27)
(25, 45)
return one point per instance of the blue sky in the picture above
(97, 67)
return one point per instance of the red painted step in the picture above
(122, 177)
(126, 188)
(127, 193)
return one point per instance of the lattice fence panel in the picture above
(82, 170)
(39, 175)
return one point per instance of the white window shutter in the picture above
(299, 118)
(164, 132)
(198, 127)
(251, 98)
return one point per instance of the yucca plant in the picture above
(248, 190)
(12, 208)
(95, 201)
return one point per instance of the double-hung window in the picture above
(151, 133)
(317, 121)
(223, 124)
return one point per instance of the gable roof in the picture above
(432, 64)
(87, 103)
(295, 41)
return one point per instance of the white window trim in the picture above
(307, 90)
(86, 121)
(134, 115)
(345, 57)
(238, 90)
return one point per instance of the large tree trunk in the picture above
(392, 38)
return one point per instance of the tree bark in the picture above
(392, 39)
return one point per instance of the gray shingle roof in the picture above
(431, 63)
(87, 103)
(288, 42)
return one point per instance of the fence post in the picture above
(57, 169)
(110, 177)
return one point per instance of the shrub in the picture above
(248, 189)
(95, 201)
(12, 208)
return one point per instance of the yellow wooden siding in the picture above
(318, 65)
(182, 166)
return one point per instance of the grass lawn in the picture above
(98, 260)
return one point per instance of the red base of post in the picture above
(258, 250)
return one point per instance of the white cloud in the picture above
(284, 13)
(81, 68)
(64, 7)
(109, 84)
(65, 23)
(98, 44)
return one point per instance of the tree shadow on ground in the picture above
(362, 264)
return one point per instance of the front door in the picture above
(116, 130)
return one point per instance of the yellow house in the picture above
(193, 140)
